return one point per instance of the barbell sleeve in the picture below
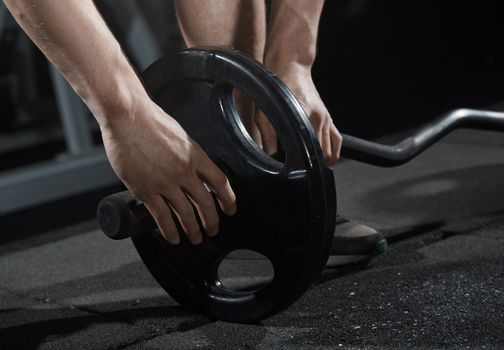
(121, 216)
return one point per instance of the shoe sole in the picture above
(336, 261)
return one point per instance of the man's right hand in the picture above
(165, 169)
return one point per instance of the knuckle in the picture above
(317, 118)
(141, 193)
(185, 167)
(183, 164)
(141, 196)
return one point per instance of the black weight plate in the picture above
(286, 211)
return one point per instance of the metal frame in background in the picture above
(3, 18)
(84, 167)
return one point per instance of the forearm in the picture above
(293, 30)
(74, 37)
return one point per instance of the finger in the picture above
(243, 105)
(204, 204)
(219, 184)
(336, 142)
(319, 132)
(255, 134)
(162, 214)
(245, 108)
(184, 211)
(326, 143)
(268, 133)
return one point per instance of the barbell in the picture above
(286, 209)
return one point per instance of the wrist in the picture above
(278, 55)
(288, 70)
(114, 101)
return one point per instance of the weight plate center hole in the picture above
(245, 270)
(257, 126)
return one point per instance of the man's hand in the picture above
(298, 79)
(165, 169)
(289, 52)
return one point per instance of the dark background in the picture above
(389, 65)
(382, 65)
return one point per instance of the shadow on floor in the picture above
(439, 199)
(30, 335)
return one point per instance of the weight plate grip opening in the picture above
(239, 132)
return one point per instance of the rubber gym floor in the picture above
(440, 285)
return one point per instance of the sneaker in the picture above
(356, 239)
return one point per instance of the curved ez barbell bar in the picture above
(393, 155)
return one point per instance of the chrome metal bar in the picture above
(394, 155)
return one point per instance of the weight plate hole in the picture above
(255, 123)
(245, 270)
